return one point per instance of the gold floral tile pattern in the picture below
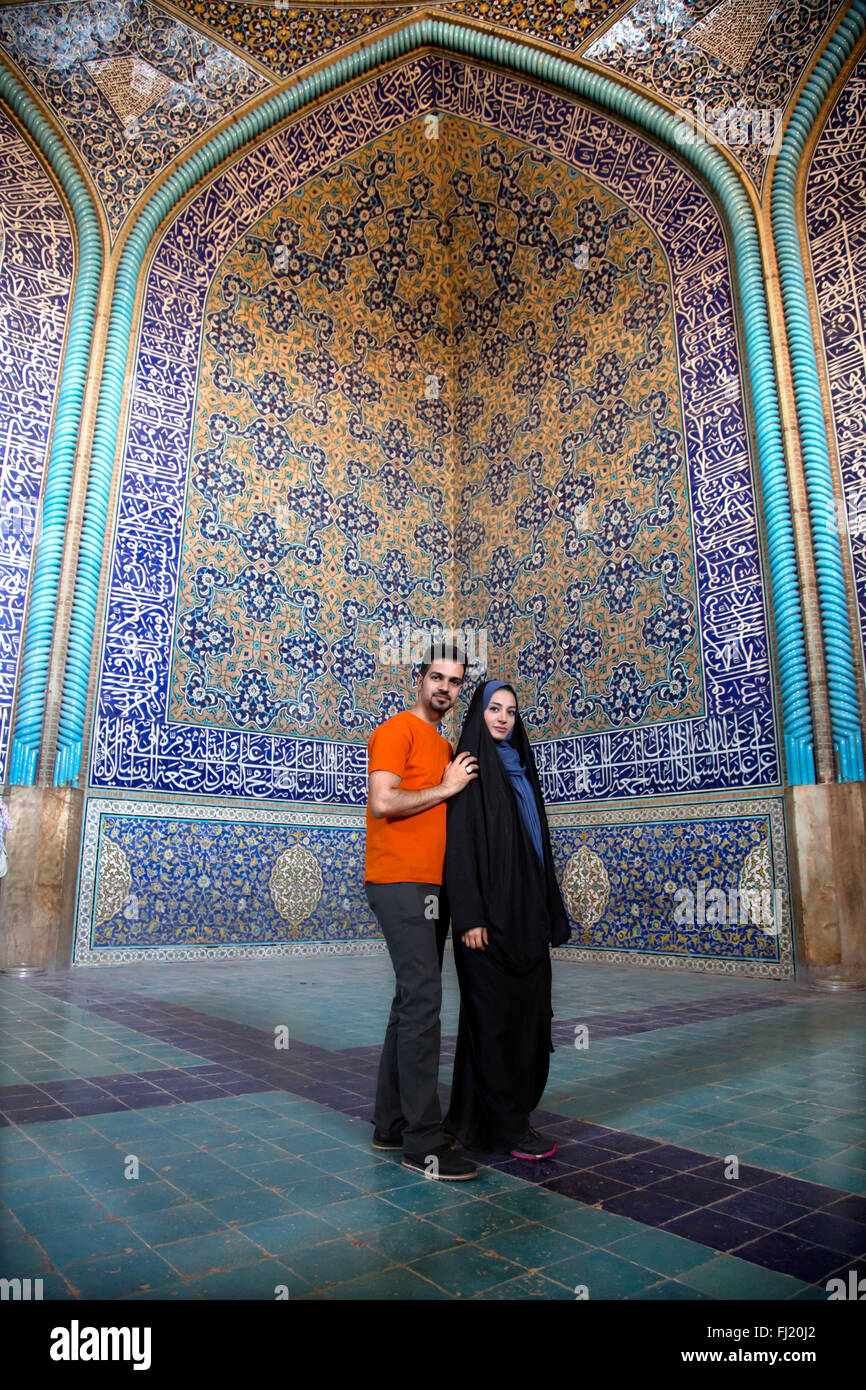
(285, 38)
(438, 323)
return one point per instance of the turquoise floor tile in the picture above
(54, 1216)
(311, 1194)
(389, 1284)
(426, 1198)
(256, 1205)
(335, 1261)
(532, 1245)
(533, 1203)
(725, 1276)
(529, 1287)
(195, 1256)
(163, 1227)
(661, 1251)
(116, 1276)
(22, 1257)
(475, 1221)
(266, 1282)
(594, 1226)
(283, 1235)
(832, 1174)
(74, 1244)
(466, 1269)
(367, 1213)
(167, 1293)
(134, 1199)
(602, 1273)
(669, 1291)
(408, 1239)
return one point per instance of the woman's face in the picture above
(499, 714)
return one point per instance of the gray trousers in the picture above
(407, 1093)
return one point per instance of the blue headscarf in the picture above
(517, 772)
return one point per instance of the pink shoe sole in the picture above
(517, 1153)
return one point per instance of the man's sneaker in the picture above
(381, 1141)
(442, 1165)
(533, 1145)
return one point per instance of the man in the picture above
(412, 773)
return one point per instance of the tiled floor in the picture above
(159, 1140)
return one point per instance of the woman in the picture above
(506, 911)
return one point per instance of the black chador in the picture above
(499, 874)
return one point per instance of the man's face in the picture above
(440, 687)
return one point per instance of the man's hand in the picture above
(475, 938)
(459, 773)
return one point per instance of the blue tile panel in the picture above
(35, 283)
(836, 220)
(161, 881)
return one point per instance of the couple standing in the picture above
(487, 858)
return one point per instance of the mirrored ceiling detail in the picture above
(731, 66)
(132, 85)
(732, 31)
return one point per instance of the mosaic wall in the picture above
(131, 85)
(609, 498)
(836, 221)
(36, 257)
(693, 886)
(711, 59)
(539, 308)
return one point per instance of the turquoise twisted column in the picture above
(51, 538)
(832, 600)
(641, 112)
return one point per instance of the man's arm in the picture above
(387, 801)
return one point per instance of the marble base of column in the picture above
(37, 894)
(827, 843)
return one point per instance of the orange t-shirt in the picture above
(412, 849)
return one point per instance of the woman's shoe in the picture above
(534, 1145)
